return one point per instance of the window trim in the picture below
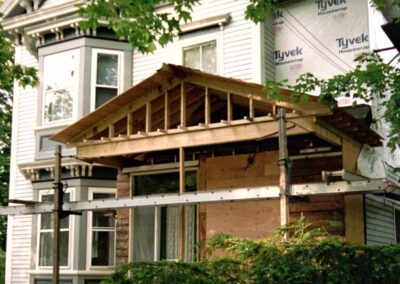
(91, 191)
(157, 211)
(93, 77)
(71, 227)
(75, 98)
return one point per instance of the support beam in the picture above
(56, 214)
(251, 108)
(148, 117)
(199, 136)
(283, 169)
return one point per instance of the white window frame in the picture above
(202, 39)
(157, 213)
(89, 265)
(71, 227)
(77, 82)
(93, 85)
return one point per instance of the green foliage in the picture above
(370, 78)
(2, 266)
(308, 256)
(9, 73)
(139, 22)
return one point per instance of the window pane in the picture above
(46, 248)
(209, 63)
(59, 105)
(60, 77)
(143, 233)
(47, 218)
(104, 219)
(107, 69)
(103, 95)
(191, 57)
(172, 233)
(103, 248)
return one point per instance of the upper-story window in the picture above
(201, 56)
(60, 86)
(106, 76)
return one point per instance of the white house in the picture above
(81, 70)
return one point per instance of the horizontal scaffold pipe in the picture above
(187, 198)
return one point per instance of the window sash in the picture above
(104, 257)
(200, 51)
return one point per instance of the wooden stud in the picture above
(183, 105)
(207, 110)
(129, 124)
(166, 111)
(111, 131)
(148, 117)
(229, 106)
(251, 107)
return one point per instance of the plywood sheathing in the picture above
(354, 203)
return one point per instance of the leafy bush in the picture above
(307, 256)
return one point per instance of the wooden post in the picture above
(181, 207)
(129, 124)
(283, 177)
(207, 106)
(183, 105)
(229, 107)
(251, 107)
(166, 111)
(148, 117)
(56, 215)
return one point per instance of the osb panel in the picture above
(249, 170)
(122, 218)
(251, 219)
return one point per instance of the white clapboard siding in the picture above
(269, 48)
(379, 216)
(234, 43)
(23, 147)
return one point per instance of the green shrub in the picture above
(308, 256)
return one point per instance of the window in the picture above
(106, 76)
(101, 231)
(50, 281)
(60, 86)
(397, 224)
(156, 229)
(202, 56)
(45, 246)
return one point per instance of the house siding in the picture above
(269, 47)
(24, 118)
(380, 227)
(235, 42)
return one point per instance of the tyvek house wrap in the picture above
(322, 37)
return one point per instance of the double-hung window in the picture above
(60, 86)
(101, 235)
(156, 229)
(45, 240)
(106, 76)
(201, 56)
